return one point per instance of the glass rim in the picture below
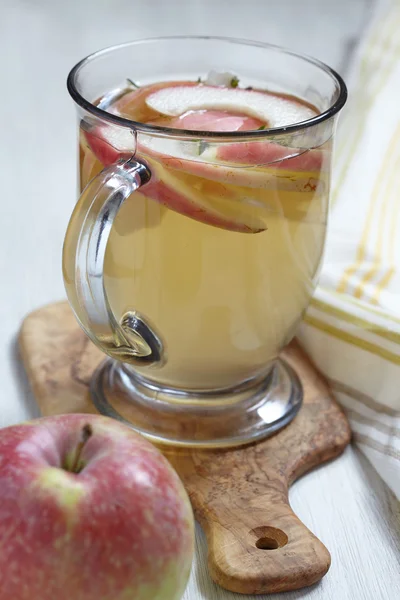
(191, 133)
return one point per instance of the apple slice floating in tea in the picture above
(109, 144)
(214, 120)
(275, 111)
(190, 106)
(109, 148)
(184, 199)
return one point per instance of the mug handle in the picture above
(131, 339)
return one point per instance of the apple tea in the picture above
(220, 250)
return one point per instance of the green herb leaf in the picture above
(132, 83)
(261, 128)
(234, 81)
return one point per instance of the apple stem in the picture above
(87, 433)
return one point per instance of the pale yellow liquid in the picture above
(224, 303)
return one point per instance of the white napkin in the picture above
(352, 328)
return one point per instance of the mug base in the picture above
(226, 418)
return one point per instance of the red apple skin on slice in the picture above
(282, 174)
(214, 120)
(264, 153)
(278, 157)
(107, 154)
(157, 190)
(103, 151)
(162, 193)
(210, 120)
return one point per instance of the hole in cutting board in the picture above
(267, 543)
(269, 538)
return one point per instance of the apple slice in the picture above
(112, 143)
(109, 146)
(270, 153)
(214, 120)
(133, 104)
(257, 178)
(274, 110)
(227, 213)
(197, 208)
(294, 172)
(219, 209)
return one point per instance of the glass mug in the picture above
(191, 256)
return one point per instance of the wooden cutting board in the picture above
(240, 496)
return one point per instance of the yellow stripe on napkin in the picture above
(381, 40)
(352, 327)
(383, 188)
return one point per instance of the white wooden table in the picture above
(344, 503)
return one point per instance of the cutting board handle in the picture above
(260, 546)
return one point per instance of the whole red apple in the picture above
(89, 510)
